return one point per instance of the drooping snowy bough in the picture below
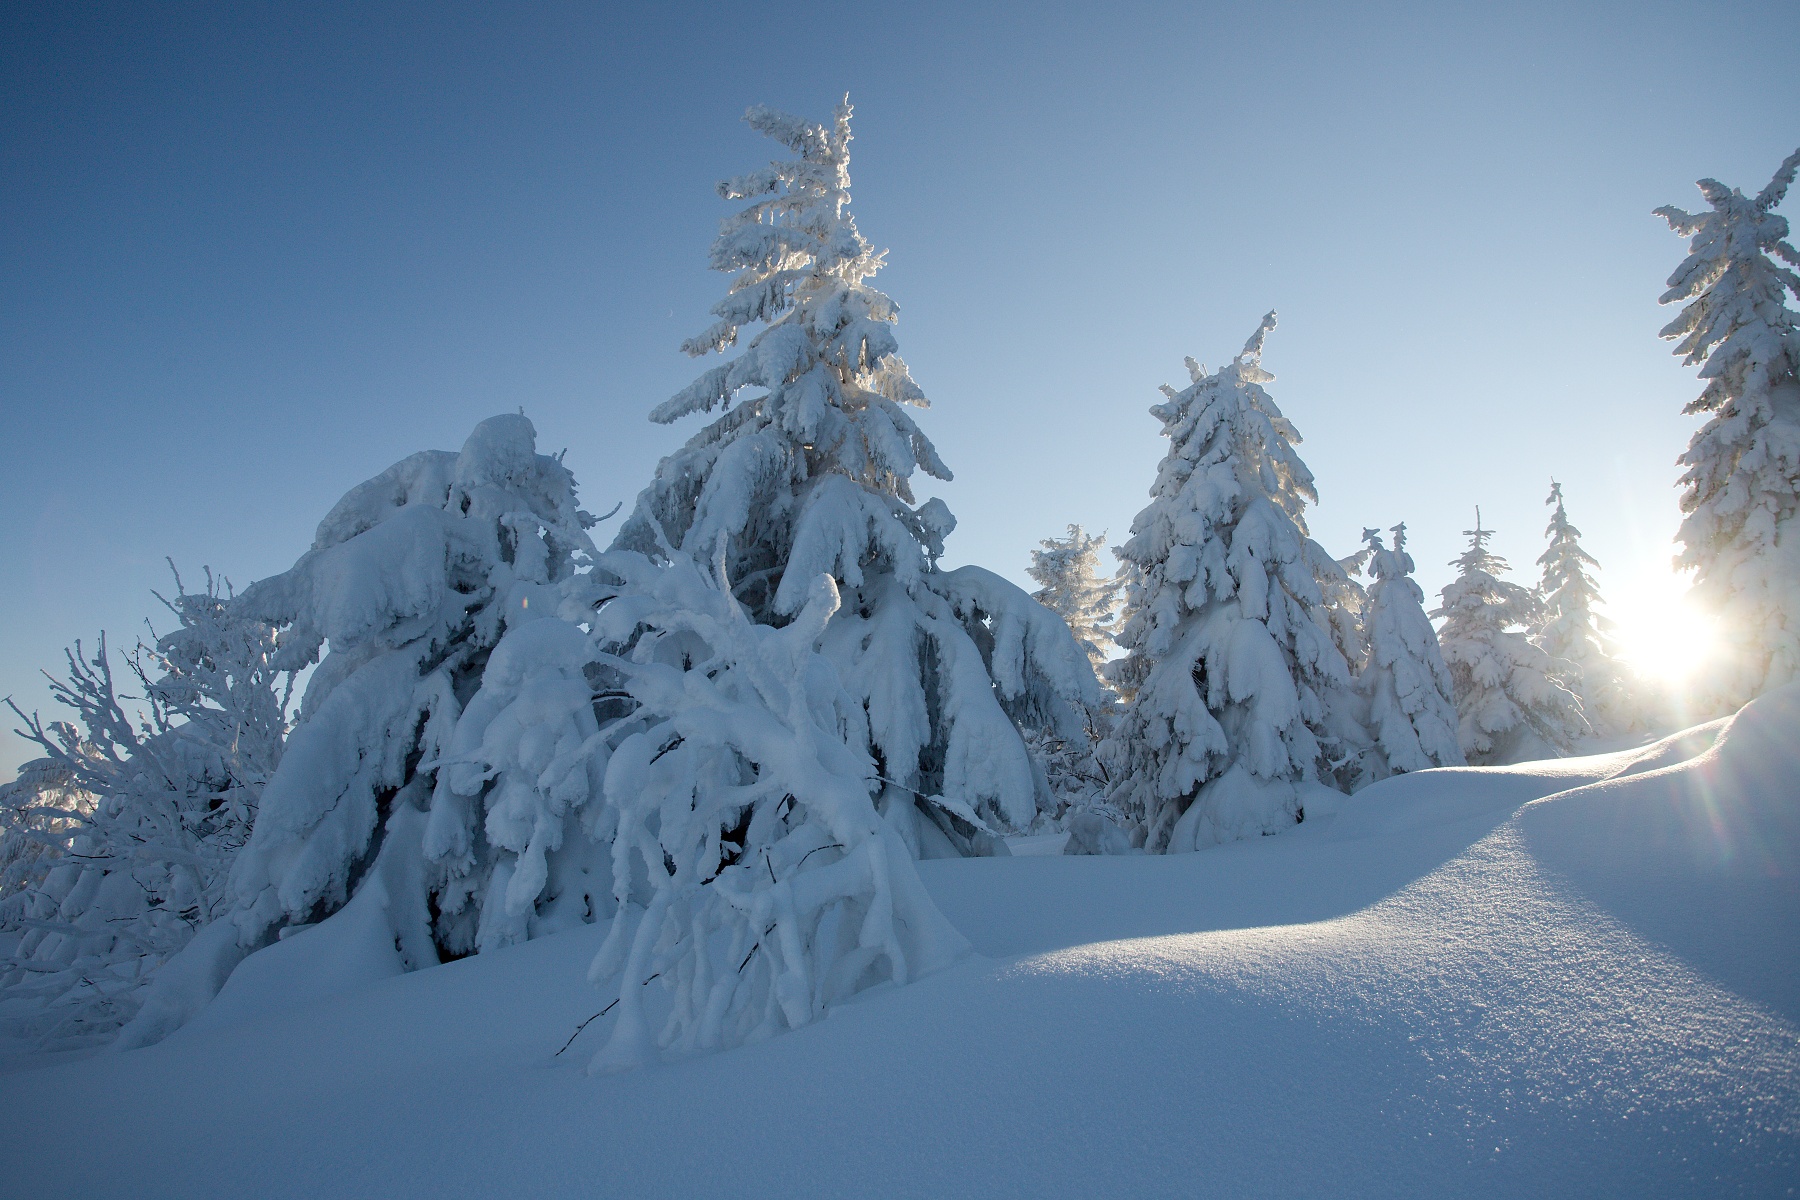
(1238, 684)
(807, 473)
(756, 883)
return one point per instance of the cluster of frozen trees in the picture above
(730, 734)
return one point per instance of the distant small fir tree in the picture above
(1509, 705)
(1412, 706)
(1571, 628)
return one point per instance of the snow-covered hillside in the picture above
(1572, 978)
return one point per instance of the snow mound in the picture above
(1575, 979)
(1702, 858)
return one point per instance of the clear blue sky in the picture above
(254, 253)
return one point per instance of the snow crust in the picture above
(1554, 979)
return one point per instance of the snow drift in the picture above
(1558, 979)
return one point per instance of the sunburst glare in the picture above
(1661, 632)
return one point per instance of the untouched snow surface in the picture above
(1569, 978)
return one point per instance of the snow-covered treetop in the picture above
(828, 357)
(1228, 442)
(1478, 592)
(833, 401)
(1394, 566)
(376, 569)
(1736, 318)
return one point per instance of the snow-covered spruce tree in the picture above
(1510, 706)
(1233, 664)
(166, 801)
(755, 881)
(1570, 628)
(1412, 709)
(808, 474)
(1741, 487)
(410, 583)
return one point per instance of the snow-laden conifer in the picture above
(139, 818)
(1411, 704)
(1509, 705)
(409, 586)
(807, 472)
(1571, 628)
(1741, 486)
(1233, 663)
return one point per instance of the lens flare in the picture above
(1660, 631)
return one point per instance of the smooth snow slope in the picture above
(1436, 992)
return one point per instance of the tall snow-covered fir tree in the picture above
(1239, 690)
(1570, 627)
(1741, 487)
(1412, 708)
(1510, 706)
(1068, 570)
(807, 472)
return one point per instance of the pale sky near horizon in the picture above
(254, 254)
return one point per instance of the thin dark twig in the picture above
(591, 1020)
(815, 850)
(754, 949)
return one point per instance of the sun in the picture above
(1659, 629)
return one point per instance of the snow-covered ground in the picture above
(1574, 978)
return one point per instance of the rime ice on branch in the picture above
(807, 472)
(1741, 487)
(1238, 686)
(133, 823)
